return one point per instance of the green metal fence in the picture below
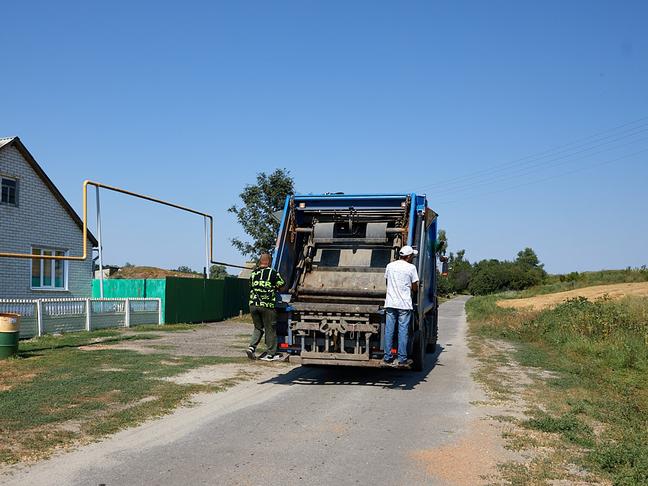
(184, 299)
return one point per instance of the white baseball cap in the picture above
(408, 250)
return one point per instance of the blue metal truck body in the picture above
(332, 250)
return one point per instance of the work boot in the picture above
(405, 364)
(388, 364)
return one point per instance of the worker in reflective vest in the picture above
(264, 284)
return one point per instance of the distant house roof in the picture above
(15, 142)
(245, 273)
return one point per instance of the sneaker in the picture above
(270, 357)
(388, 364)
(250, 353)
(405, 364)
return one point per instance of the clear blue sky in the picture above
(189, 100)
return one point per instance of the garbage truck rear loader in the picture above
(332, 250)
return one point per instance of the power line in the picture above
(538, 162)
(555, 176)
(522, 171)
(534, 157)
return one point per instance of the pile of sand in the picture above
(151, 272)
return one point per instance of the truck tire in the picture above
(418, 351)
(432, 323)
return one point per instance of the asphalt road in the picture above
(304, 426)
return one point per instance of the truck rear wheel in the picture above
(432, 324)
(418, 350)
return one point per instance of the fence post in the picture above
(159, 301)
(127, 313)
(39, 316)
(88, 315)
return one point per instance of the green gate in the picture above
(184, 299)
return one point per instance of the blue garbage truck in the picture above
(332, 250)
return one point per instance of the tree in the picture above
(443, 284)
(442, 243)
(185, 269)
(489, 276)
(260, 201)
(529, 261)
(528, 257)
(218, 272)
(459, 271)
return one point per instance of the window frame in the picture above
(42, 263)
(16, 190)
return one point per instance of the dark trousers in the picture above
(265, 322)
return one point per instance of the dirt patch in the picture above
(95, 347)
(470, 460)
(614, 291)
(217, 373)
(213, 339)
(10, 377)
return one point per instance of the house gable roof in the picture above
(15, 142)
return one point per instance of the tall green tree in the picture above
(529, 261)
(259, 202)
(218, 272)
(528, 257)
(442, 242)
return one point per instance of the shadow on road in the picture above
(359, 376)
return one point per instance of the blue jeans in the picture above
(392, 316)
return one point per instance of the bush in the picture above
(444, 287)
(600, 320)
(491, 276)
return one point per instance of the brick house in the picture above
(36, 218)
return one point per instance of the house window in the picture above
(48, 274)
(9, 191)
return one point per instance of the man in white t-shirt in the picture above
(402, 280)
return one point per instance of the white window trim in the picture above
(43, 262)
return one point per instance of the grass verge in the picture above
(597, 405)
(66, 389)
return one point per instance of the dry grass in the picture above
(613, 291)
